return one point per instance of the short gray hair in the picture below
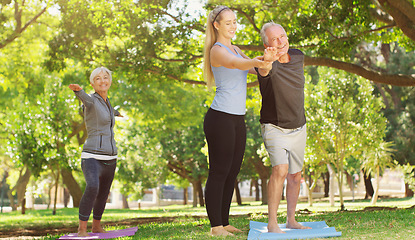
(264, 29)
(98, 71)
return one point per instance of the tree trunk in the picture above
(340, 183)
(256, 190)
(124, 202)
(72, 186)
(310, 185)
(368, 185)
(56, 192)
(408, 191)
(264, 173)
(309, 194)
(331, 184)
(20, 189)
(195, 192)
(238, 194)
(264, 190)
(24, 206)
(185, 196)
(376, 194)
(200, 191)
(326, 180)
(349, 180)
(66, 197)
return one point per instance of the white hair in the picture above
(98, 71)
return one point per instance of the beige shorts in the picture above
(285, 146)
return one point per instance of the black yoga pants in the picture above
(226, 137)
(98, 176)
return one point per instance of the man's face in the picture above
(277, 38)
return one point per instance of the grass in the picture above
(190, 223)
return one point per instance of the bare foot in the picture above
(83, 225)
(82, 233)
(296, 225)
(219, 231)
(274, 228)
(231, 229)
(98, 229)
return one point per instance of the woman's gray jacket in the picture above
(99, 120)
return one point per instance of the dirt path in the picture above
(39, 231)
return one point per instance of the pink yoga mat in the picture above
(110, 234)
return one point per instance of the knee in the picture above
(91, 190)
(294, 178)
(279, 172)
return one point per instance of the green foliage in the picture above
(344, 121)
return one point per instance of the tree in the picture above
(378, 159)
(328, 41)
(182, 150)
(256, 162)
(314, 167)
(343, 118)
(17, 16)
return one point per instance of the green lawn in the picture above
(185, 222)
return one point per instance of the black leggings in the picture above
(98, 176)
(226, 137)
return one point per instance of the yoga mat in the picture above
(258, 230)
(107, 235)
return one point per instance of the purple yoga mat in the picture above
(110, 234)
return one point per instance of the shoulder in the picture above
(217, 49)
(293, 51)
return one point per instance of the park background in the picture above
(360, 99)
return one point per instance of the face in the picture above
(277, 38)
(102, 82)
(227, 25)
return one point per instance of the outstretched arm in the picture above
(85, 98)
(220, 57)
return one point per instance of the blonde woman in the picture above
(99, 154)
(226, 67)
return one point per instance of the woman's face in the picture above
(102, 82)
(227, 25)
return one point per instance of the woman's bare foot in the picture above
(232, 229)
(83, 225)
(219, 231)
(98, 230)
(96, 226)
(274, 228)
(296, 225)
(82, 233)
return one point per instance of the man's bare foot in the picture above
(219, 231)
(296, 225)
(82, 233)
(232, 229)
(98, 229)
(274, 228)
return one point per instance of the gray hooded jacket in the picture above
(99, 120)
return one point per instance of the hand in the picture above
(260, 63)
(272, 54)
(75, 87)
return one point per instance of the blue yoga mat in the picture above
(258, 230)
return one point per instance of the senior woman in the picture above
(99, 154)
